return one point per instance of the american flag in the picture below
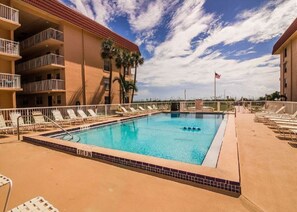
(217, 76)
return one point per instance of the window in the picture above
(107, 65)
(59, 99)
(106, 83)
(48, 76)
(106, 100)
(285, 52)
(285, 83)
(58, 76)
(39, 100)
(285, 67)
(38, 78)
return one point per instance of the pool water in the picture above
(166, 135)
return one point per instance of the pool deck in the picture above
(268, 171)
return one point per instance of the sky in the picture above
(185, 42)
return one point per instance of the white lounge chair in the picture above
(133, 110)
(35, 204)
(84, 115)
(39, 119)
(74, 117)
(3, 126)
(123, 112)
(141, 108)
(59, 118)
(14, 116)
(95, 115)
(150, 108)
(6, 181)
(155, 108)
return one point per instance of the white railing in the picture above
(42, 36)
(9, 13)
(10, 81)
(9, 47)
(105, 110)
(44, 85)
(38, 62)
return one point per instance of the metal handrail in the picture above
(52, 121)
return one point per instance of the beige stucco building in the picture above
(50, 55)
(286, 47)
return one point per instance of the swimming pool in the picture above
(173, 136)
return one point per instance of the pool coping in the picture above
(224, 177)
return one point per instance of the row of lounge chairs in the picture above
(282, 123)
(39, 120)
(123, 111)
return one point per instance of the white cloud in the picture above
(178, 62)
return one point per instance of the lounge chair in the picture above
(84, 115)
(74, 117)
(124, 112)
(6, 181)
(263, 117)
(35, 204)
(155, 108)
(39, 119)
(14, 116)
(141, 108)
(3, 126)
(133, 110)
(150, 108)
(94, 115)
(59, 118)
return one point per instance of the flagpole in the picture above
(215, 87)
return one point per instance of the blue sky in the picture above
(185, 42)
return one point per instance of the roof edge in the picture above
(58, 9)
(287, 34)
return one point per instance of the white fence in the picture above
(44, 85)
(9, 13)
(9, 47)
(38, 62)
(110, 110)
(10, 81)
(42, 36)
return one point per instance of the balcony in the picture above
(44, 86)
(47, 38)
(10, 82)
(9, 17)
(45, 62)
(9, 50)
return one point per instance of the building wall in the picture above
(288, 79)
(84, 68)
(7, 96)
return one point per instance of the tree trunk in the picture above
(132, 97)
(110, 82)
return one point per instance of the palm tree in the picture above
(125, 86)
(137, 60)
(108, 51)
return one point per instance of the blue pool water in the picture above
(162, 135)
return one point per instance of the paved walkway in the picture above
(268, 166)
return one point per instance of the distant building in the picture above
(286, 47)
(50, 55)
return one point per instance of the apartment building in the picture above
(57, 55)
(10, 82)
(286, 47)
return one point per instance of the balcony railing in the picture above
(45, 60)
(10, 81)
(9, 47)
(44, 85)
(42, 36)
(9, 13)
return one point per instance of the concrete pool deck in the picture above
(267, 169)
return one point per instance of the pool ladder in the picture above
(66, 132)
